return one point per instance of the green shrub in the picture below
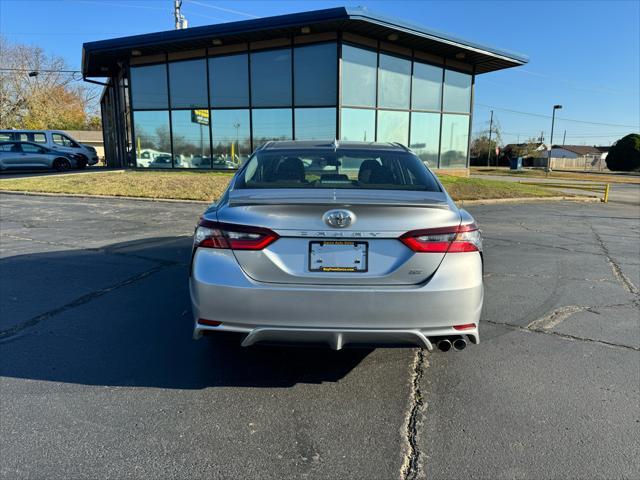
(624, 156)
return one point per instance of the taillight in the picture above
(211, 234)
(465, 326)
(461, 238)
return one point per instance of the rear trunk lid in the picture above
(371, 240)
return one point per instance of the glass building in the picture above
(206, 97)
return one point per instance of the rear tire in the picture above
(61, 164)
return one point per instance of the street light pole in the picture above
(490, 129)
(553, 120)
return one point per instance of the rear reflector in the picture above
(210, 323)
(460, 238)
(466, 326)
(210, 234)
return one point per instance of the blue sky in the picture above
(584, 55)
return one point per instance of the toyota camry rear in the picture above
(337, 244)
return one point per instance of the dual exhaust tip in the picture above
(458, 344)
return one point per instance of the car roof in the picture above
(332, 144)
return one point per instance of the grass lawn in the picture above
(209, 186)
(577, 175)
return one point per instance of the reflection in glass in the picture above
(455, 141)
(315, 123)
(229, 81)
(315, 74)
(425, 136)
(188, 84)
(457, 92)
(358, 76)
(149, 86)
(271, 124)
(190, 139)
(357, 124)
(231, 137)
(427, 87)
(394, 82)
(153, 142)
(271, 78)
(393, 126)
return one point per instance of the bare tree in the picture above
(51, 99)
(480, 144)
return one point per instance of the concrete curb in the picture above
(110, 197)
(461, 203)
(497, 201)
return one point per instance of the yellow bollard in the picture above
(606, 193)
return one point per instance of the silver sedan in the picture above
(29, 155)
(338, 244)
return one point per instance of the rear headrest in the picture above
(382, 175)
(366, 168)
(290, 168)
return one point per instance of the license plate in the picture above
(338, 256)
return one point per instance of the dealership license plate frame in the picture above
(364, 256)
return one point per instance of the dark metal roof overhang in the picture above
(101, 58)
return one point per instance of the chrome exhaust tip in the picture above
(444, 345)
(459, 344)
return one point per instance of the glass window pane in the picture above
(315, 123)
(153, 144)
(427, 87)
(457, 92)
(229, 81)
(393, 126)
(358, 76)
(271, 78)
(357, 125)
(188, 84)
(455, 140)
(231, 137)
(394, 82)
(190, 129)
(271, 124)
(149, 86)
(425, 136)
(315, 74)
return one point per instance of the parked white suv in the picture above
(56, 140)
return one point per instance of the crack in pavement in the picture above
(566, 336)
(411, 466)
(17, 328)
(617, 270)
(547, 277)
(541, 245)
(556, 317)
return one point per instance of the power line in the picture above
(222, 9)
(540, 115)
(28, 70)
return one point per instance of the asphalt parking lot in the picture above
(99, 376)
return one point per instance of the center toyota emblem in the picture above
(339, 218)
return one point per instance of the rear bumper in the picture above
(333, 314)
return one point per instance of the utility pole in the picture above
(564, 137)
(181, 22)
(490, 129)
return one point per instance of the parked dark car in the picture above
(29, 155)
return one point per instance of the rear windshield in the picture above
(358, 169)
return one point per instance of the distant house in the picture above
(579, 157)
(525, 149)
(89, 137)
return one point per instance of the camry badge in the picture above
(339, 218)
